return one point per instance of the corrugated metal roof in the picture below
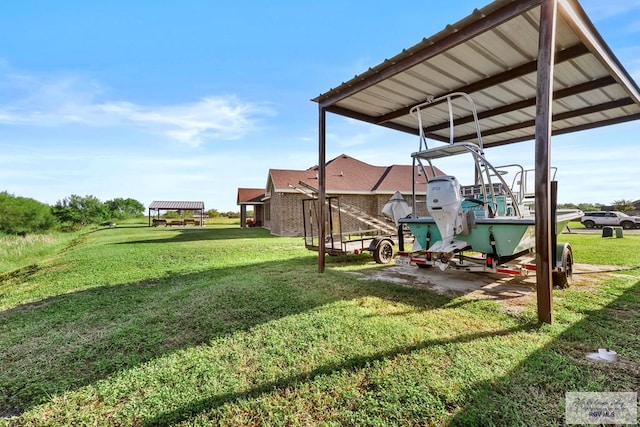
(173, 205)
(492, 55)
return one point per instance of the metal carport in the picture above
(162, 205)
(535, 68)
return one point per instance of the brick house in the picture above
(358, 184)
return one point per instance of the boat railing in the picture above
(485, 173)
(476, 190)
(523, 183)
(419, 110)
(447, 150)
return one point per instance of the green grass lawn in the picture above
(220, 325)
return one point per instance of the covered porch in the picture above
(253, 197)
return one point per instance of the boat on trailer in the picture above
(488, 225)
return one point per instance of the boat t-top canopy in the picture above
(534, 68)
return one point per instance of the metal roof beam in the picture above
(369, 119)
(563, 131)
(601, 123)
(557, 95)
(514, 73)
(351, 114)
(556, 117)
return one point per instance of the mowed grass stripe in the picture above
(143, 326)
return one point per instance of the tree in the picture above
(22, 215)
(624, 205)
(567, 206)
(171, 215)
(80, 211)
(586, 207)
(120, 208)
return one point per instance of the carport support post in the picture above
(546, 53)
(321, 188)
(243, 216)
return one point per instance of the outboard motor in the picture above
(444, 201)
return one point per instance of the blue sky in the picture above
(191, 99)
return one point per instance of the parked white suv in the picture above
(602, 218)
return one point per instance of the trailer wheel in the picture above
(563, 279)
(383, 253)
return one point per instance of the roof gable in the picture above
(397, 177)
(345, 174)
(250, 196)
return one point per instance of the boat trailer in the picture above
(379, 237)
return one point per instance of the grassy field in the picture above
(220, 325)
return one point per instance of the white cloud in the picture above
(224, 118)
(600, 10)
(75, 101)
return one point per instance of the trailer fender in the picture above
(563, 272)
(382, 249)
(376, 242)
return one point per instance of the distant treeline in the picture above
(23, 215)
(619, 205)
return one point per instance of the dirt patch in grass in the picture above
(516, 293)
(20, 274)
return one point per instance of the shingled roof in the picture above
(250, 196)
(346, 175)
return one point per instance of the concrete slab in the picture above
(516, 292)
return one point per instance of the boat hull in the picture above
(509, 238)
(510, 235)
